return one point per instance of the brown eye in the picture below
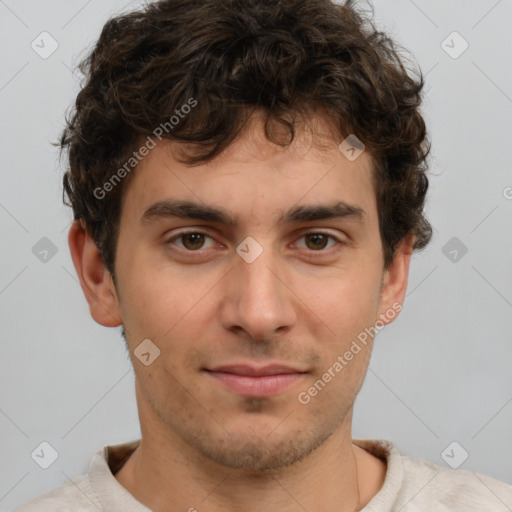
(191, 241)
(316, 240)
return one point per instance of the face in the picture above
(248, 315)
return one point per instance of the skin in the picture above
(300, 303)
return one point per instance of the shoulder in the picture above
(426, 483)
(76, 495)
(414, 484)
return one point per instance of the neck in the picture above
(163, 482)
(340, 476)
(166, 473)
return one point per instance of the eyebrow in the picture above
(303, 213)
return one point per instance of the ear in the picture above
(394, 283)
(95, 279)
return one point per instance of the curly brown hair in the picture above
(282, 57)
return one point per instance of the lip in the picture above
(255, 371)
(252, 381)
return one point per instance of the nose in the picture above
(258, 299)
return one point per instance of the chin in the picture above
(260, 446)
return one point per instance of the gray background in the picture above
(440, 373)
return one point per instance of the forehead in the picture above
(254, 175)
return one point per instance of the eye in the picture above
(191, 240)
(318, 240)
(194, 241)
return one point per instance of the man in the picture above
(248, 180)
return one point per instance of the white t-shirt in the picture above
(412, 484)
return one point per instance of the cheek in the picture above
(147, 306)
(347, 303)
(169, 308)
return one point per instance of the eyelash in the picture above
(199, 232)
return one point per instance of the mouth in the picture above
(252, 381)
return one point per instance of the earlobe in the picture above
(95, 279)
(395, 280)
